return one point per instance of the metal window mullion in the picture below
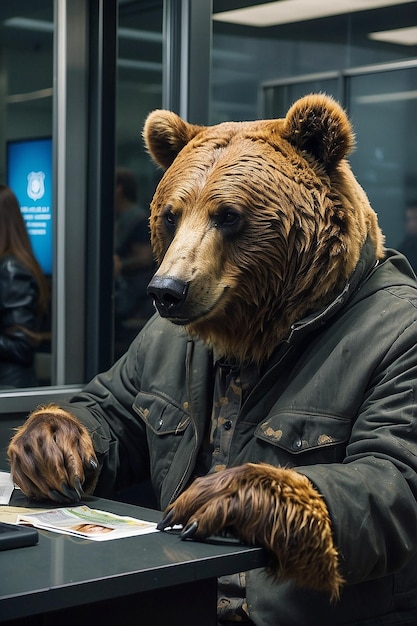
(70, 165)
(59, 159)
(186, 69)
(101, 184)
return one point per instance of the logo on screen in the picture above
(36, 186)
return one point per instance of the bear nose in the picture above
(168, 294)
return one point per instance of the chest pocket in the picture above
(315, 438)
(161, 414)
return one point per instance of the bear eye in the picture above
(170, 219)
(228, 218)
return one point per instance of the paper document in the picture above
(6, 487)
(82, 521)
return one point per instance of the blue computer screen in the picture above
(29, 175)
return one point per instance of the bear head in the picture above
(255, 224)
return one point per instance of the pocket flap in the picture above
(161, 414)
(297, 432)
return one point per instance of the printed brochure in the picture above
(6, 487)
(82, 521)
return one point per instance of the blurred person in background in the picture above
(23, 296)
(133, 262)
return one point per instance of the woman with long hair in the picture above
(23, 296)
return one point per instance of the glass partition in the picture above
(163, 62)
(167, 55)
(59, 78)
(382, 105)
(139, 91)
(255, 44)
(55, 57)
(262, 61)
(26, 164)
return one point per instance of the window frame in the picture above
(84, 151)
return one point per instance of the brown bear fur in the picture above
(41, 454)
(264, 221)
(269, 506)
(259, 223)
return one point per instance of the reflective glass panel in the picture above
(366, 59)
(139, 90)
(26, 84)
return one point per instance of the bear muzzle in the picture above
(169, 296)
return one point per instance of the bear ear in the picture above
(317, 124)
(165, 134)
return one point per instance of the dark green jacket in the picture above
(338, 401)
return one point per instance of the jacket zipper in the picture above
(188, 357)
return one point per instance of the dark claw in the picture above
(57, 496)
(166, 521)
(78, 487)
(93, 464)
(71, 494)
(189, 531)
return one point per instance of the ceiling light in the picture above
(288, 11)
(29, 24)
(41, 25)
(377, 98)
(141, 35)
(403, 36)
(30, 95)
(132, 64)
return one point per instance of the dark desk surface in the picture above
(64, 571)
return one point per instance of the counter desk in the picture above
(153, 579)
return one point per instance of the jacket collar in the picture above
(366, 264)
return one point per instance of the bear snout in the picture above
(169, 295)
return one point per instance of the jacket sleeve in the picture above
(126, 431)
(18, 302)
(104, 406)
(372, 495)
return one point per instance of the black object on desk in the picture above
(150, 579)
(13, 536)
